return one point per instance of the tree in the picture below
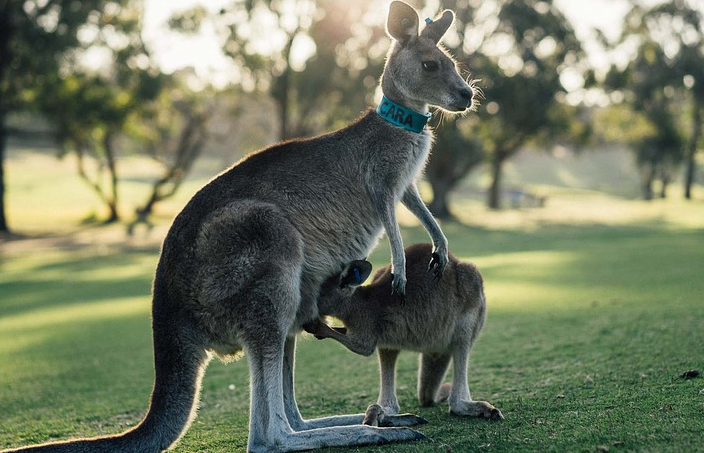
(455, 153)
(90, 107)
(173, 131)
(664, 81)
(35, 40)
(43, 48)
(313, 58)
(682, 25)
(691, 64)
(520, 51)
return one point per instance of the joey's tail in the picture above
(179, 366)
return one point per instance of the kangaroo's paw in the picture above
(438, 262)
(398, 286)
(479, 409)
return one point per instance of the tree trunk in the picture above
(664, 179)
(497, 160)
(283, 106)
(440, 206)
(282, 92)
(692, 150)
(647, 176)
(112, 169)
(6, 30)
(4, 228)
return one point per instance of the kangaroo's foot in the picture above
(375, 416)
(479, 409)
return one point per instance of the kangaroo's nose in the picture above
(466, 93)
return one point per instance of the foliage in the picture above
(454, 154)
(87, 104)
(313, 58)
(662, 82)
(173, 130)
(519, 51)
(90, 108)
(38, 41)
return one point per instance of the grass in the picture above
(596, 306)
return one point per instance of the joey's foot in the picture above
(438, 261)
(444, 393)
(376, 416)
(479, 409)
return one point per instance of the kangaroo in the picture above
(441, 321)
(242, 264)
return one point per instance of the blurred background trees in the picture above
(663, 83)
(302, 67)
(519, 50)
(39, 43)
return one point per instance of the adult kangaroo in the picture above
(242, 265)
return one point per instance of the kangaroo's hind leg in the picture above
(271, 362)
(299, 424)
(247, 292)
(387, 376)
(460, 399)
(431, 372)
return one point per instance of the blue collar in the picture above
(401, 116)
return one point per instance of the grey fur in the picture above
(242, 265)
(439, 320)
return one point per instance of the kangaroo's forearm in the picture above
(411, 199)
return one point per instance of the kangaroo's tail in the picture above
(179, 365)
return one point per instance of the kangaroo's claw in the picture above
(437, 265)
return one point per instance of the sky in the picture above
(202, 52)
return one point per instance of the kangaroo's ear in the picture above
(437, 28)
(402, 24)
(355, 273)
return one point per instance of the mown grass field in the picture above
(596, 306)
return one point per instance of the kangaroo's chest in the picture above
(347, 224)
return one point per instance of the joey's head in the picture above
(418, 71)
(339, 288)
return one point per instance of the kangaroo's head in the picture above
(418, 73)
(340, 287)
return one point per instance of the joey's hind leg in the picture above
(431, 372)
(299, 424)
(460, 399)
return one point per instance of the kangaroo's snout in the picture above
(463, 99)
(467, 96)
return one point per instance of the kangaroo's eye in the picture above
(431, 66)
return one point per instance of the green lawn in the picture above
(596, 306)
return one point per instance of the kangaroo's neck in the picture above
(396, 94)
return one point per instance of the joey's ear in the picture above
(437, 28)
(355, 273)
(402, 24)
